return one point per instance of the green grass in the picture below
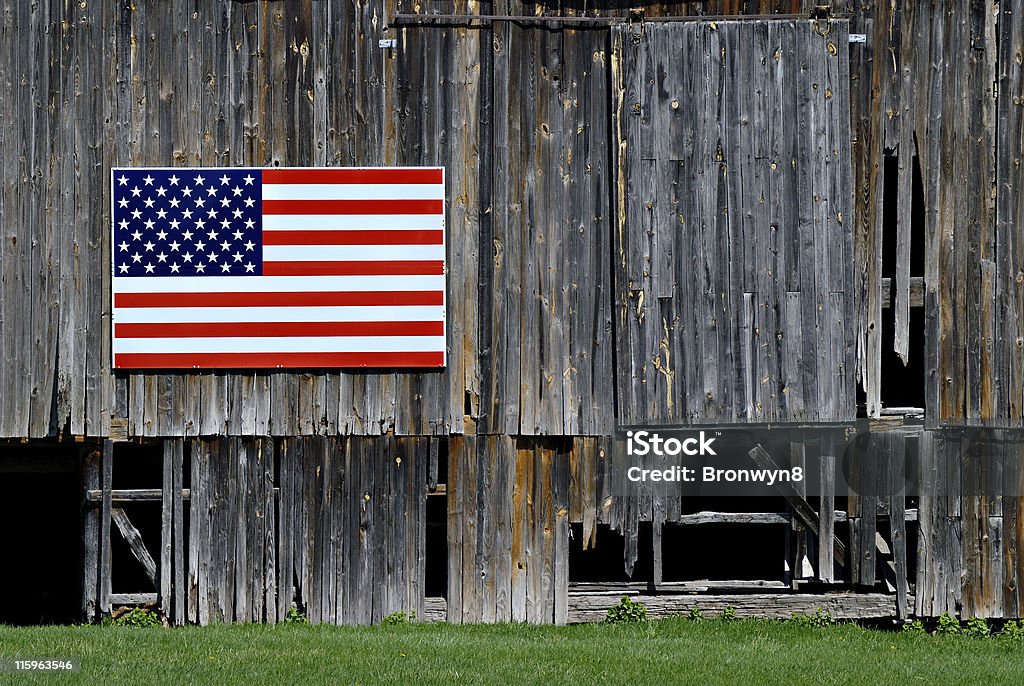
(673, 651)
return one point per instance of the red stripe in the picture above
(297, 299)
(368, 176)
(363, 237)
(275, 360)
(278, 329)
(355, 268)
(353, 206)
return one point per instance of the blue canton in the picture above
(187, 222)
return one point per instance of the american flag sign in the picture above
(247, 268)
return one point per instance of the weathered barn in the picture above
(704, 212)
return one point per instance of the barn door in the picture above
(734, 269)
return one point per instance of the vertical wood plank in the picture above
(180, 591)
(105, 532)
(91, 535)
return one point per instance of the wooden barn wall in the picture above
(733, 237)
(335, 526)
(518, 115)
(939, 87)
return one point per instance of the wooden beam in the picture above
(669, 587)
(594, 608)
(826, 530)
(916, 292)
(801, 508)
(91, 479)
(134, 539)
(105, 514)
(155, 495)
(132, 495)
(179, 591)
(166, 529)
(132, 598)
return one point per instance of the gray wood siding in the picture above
(520, 117)
(734, 229)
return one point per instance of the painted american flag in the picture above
(241, 268)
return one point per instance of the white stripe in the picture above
(312, 344)
(284, 284)
(207, 315)
(352, 191)
(355, 222)
(345, 253)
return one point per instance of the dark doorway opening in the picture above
(136, 466)
(40, 571)
(902, 384)
(436, 551)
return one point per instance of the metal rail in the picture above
(585, 22)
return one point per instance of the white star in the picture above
(123, 224)
(225, 267)
(225, 246)
(212, 257)
(123, 181)
(161, 234)
(200, 224)
(212, 190)
(174, 268)
(236, 190)
(225, 223)
(238, 235)
(237, 213)
(148, 245)
(123, 202)
(187, 235)
(136, 236)
(135, 192)
(149, 268)
(200, 246)
(123, 246)
(250, 267)
(136, 257)
(148, 180)
(212, 213)
(161, 191)
(162, 257)
(173, 202)
(249, 202)
(200, 202)
(187, 257)
(186, 191)
(237, 256)
(199, 180)
(249, 223)
(224, 180)
(148, 202)
(212, 234)
(124, 268)
(174, 224)
(174, 180)
(187, 214)
(249, 245)
(174, 246)
(224, 202)
(200, 268)
(136, 214)
(161, 213)
(149, 224)
(248, 180)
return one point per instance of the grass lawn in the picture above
(670, 651)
